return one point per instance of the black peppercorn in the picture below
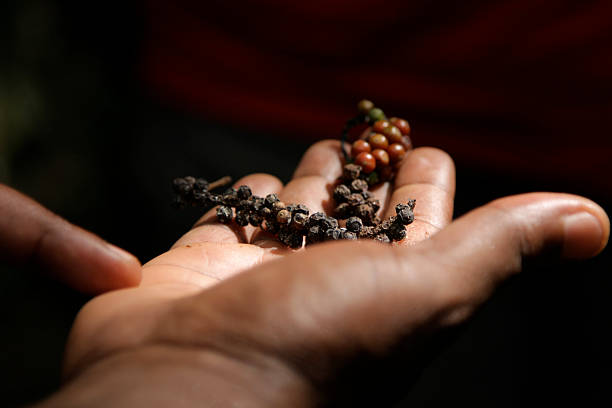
(366, 213)
(257, 204)
(315, 234)
(242, 218)
(405, 215)
(333, 234)
(278, 205)
(177, 185)
(244, 204)
(351, 171)
(359, 185)
(299, 220)
(283, 216)
(328, 223)
(224, 214)
(343, 211)
(375, 203)
(271, 227)
(396, 232)
(283, 235)
(348, 235)
(244, 192)
(215, 199)
(354, 224)
(266, 212)
(201, 184)
(270, 200)
(300, 209)
(355, 199)
(295, 240)
(255, 220)
(341, 193)
(315, 219)
(230, 196)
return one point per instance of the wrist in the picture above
(162, 376)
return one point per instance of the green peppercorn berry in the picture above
(373, 178)
(376, 114)
(364, 106)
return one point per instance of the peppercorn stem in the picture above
(223, 181)
(351, 123)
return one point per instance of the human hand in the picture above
(322, 325)
(78, 258)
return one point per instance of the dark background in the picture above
(82, 133)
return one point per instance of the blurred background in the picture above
(102, 105)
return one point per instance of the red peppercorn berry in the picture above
(380, 125)
(396, 152)
(378, 141)
(360, 146)
(394, 135)
(402, 124)
(366, 161)
(381, 156)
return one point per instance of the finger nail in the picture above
(583, 235)
(119, 253)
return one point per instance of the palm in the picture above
(211, 252)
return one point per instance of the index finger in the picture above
(30, 232)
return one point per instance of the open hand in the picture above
(317, 326)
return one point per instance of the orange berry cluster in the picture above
(383, 146)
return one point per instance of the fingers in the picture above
(29, 232)
(427, 175)
(314, 177)
(208, 229)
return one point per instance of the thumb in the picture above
(488, 245)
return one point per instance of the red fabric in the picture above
(517, 85)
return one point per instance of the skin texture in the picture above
(227, 317)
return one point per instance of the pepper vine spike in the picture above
(372, 159)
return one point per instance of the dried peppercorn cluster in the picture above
(358, 207)
(291, 223)
(374, 157)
